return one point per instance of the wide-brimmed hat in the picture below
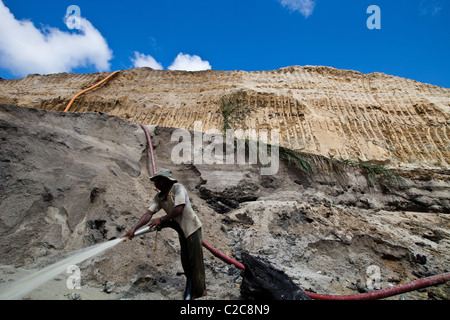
(165, 174)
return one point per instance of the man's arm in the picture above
(177, 211)
(144, 220)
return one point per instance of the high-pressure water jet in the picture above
(22, 287)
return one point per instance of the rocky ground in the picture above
(71, 180)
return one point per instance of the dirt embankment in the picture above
(373, 118)
(70, 180)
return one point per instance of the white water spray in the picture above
(21, 287)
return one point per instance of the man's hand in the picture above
(155, 223)
(130, 234)
(144, 219)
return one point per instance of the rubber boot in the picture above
(188, 291)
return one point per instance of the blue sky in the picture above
(250, 35)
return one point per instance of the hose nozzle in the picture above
(144, 231)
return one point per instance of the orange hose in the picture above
(89, 89)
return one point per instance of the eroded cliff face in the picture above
(348, 115)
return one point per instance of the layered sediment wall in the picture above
(343, 114)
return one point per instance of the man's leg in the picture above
(186, 267)
(196, 263)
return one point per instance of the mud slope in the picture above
(373, 118)
(70, 180)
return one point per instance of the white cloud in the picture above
(187, 62)
(24, 49)
(142, 60)
(305, 7)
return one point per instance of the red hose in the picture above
(222, 256)
(374, 295)
(150, 145)
(388, 292)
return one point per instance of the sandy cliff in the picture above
(345, 114)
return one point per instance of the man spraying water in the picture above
(180, 216)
